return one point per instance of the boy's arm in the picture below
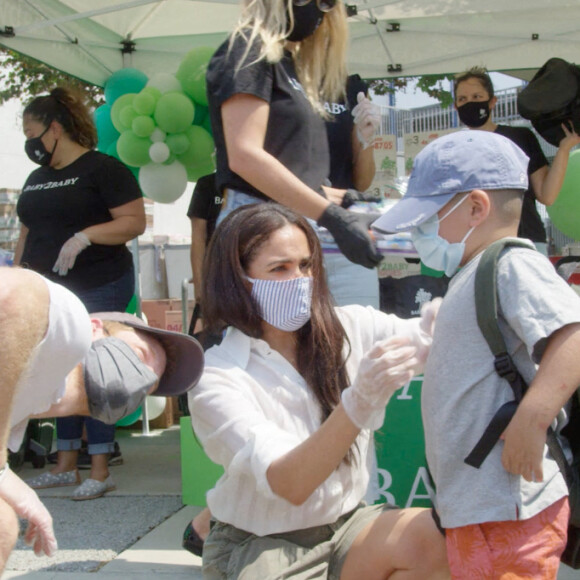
(557, 379)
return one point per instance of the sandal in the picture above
(92, 489)
(49, 479)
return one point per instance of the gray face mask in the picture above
(116, 380)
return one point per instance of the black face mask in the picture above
(306, 20)
(36, 150)
(474, 114)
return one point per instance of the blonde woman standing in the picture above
(267, 85)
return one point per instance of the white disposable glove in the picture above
(27, 505)
(69, 252)
(384, 369)
(421, 333)
(367, 120)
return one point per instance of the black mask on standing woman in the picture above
(307, 19)
(474, 114)
(36, 150)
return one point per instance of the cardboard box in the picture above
(166, 313)
(174, 319)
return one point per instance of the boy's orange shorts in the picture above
(509, 550)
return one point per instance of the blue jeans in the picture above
(114, 296)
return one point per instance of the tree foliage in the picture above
(22, 77)
(432, 85)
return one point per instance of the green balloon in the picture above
(131, 418)
(123, 81)
(194, 172)
(200, 149)
(133, 150)
(191, 73)
(565, 210)
(174, 112)
(106, 131)
(143, 126)
(144, 102)
(153, 91)
(171, 159)
(178, 143)
(201, 113)
(112, 151)
(127, 116)
(118, 106)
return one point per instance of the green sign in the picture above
(400, 447)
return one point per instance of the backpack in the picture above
(486, 305)
(551, 98)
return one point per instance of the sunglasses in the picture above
(323, 5)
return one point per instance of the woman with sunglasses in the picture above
(266, 86)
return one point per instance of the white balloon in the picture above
(165, 82)
(158, 135)
(155, 407)
(163, 183)
(159, 152)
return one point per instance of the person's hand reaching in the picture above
(69, 252)
(367, 120)
(384, 369)
(24, 501)
(350, 231)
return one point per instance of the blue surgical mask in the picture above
(436, 252)
(285, 304)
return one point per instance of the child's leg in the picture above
(513, 549)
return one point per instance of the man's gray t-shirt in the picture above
(461, 390)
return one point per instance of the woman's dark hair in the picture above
(68, 108)
(475, 72)
(228, 302)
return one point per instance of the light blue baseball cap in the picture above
(457, 162)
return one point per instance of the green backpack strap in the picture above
(486, 307)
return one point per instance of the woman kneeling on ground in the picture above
(288, 403)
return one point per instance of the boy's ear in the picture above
(480, 206)
(97, 328)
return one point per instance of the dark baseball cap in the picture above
(184, 354)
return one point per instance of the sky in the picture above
(416, 98)
(14, 165)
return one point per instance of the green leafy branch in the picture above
(22, 77)
(431, 85)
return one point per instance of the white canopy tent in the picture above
(389, 38)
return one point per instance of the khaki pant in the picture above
(318, 552)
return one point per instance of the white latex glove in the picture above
(24, 501)
(69, 252)
(421, 333)
(367, 120)
(384, 369)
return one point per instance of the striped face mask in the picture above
(285, 304)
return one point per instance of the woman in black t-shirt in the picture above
(474, 101)
(78, 211)
(267, 85)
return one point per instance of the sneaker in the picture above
(115, 458)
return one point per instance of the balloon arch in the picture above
(159, 126)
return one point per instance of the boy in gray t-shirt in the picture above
(511, 515)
